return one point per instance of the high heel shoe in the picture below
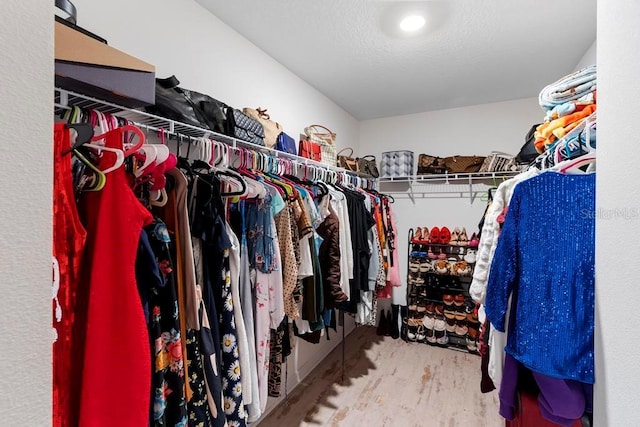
(474, 241)
(424, 238)
(417, 236)
(463, 239)
(454, 236)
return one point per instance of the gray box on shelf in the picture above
(396, 164)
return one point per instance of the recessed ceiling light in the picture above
(412, 23)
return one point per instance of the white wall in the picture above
(471, 130)
(206, 55)
(185, 39)
(26, 82)
(589, 57)
(617, 189)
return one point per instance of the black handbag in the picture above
(244, 127)
(187, 106)
(528, 152)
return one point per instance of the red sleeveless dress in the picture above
(68, 244)
(116, 376)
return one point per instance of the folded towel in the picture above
(568, 88)
(548, 132)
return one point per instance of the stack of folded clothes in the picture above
(567, 102)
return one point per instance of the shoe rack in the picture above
(440, 310)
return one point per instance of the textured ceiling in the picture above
(470, 52)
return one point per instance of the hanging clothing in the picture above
(552, 285)
(169, 405)
(116, 376)
(69, 238)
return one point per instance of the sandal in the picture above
(442, 255)
(463, 239)
(445, 236)
(420, 334)
(431, 255)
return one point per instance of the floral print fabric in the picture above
(168, 402)
(233, 404)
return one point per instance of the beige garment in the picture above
(289, 264)
(186, 249)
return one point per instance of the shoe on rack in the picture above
(474, 241)
(431, 255)
(470, 256)
(445, 236)
(447, 299)
(472, 344)
(454, 236)
(442, 338)
(459, 300)
(434, 236)
(442, 255)
(421, 334)
(414, 265)
(424, 238)
(431, 336)
(439, 324)
(417, 236)
(451, 325)
(463, 239)
(461, 328)
(428, 321)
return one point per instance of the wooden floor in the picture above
(390, 383)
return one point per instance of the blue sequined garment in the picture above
(545, 256)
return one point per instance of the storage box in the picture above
(396, 164)
(85, 65)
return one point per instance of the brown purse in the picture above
(347, 161)
(463, 164)
(430, 165)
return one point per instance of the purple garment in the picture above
(561, 401)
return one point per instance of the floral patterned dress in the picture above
(231, 384)
(168, 402)
(169, 407)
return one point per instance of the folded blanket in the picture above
(571, 106)
(568, 88)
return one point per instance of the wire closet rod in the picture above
(65, 99)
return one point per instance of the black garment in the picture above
(207, 224)
(206, 212)
(360, 221)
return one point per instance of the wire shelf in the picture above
(65, 99)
